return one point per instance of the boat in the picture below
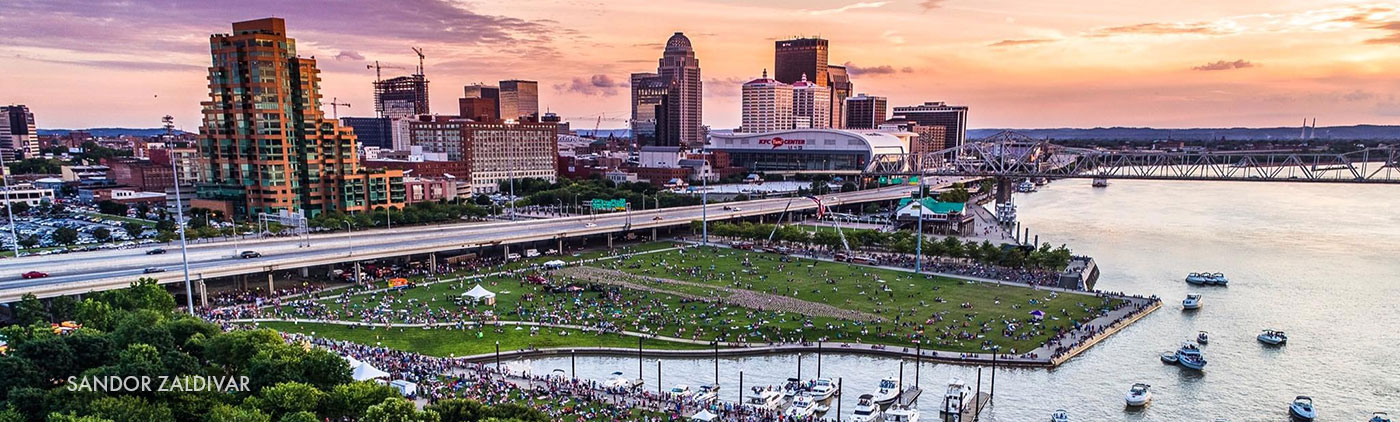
(1302, 409)
(956, 397)
(889, 390)
(707, 393)
(1218, 279)
(619, 381)
(1060, 415)
(1380, 417)
(765, 399)
(1273, 337)
(681, 391)
(1191, 303)
(823, 389)
(802, 406)
(1100, 182)
(1026, 186)
(1198, 278)
(1006, 213)
(1202, 337)
(902, 414)
(866, 409)
(1169, 358)
(1190, 357)
(1139, 395)
(793, 386)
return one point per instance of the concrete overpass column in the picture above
(203, 292)
(653, 234)
(357, 272)
(1003, 190)
(610, 239)
(561, 245)
(306, 271)
(507, 252)
(269, 284)
(760, 219)
(432, 263)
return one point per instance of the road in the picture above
(100, 270)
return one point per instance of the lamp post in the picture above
(184, 245)
(14, 239)
(919, 247)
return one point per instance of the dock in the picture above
(973, 410)
(908, 396)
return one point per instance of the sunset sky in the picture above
(1016, 63)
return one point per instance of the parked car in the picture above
(153, 270)
(249, 254)
(156, 251)
(34, 274)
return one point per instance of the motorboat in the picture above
(1191, 303)
(1060, 415)
(1139, 395)
(1302, 409)
(792, 387)
(765, 399)
(1025, 186)
(823, 389)
(707, 393)
(680, 391)
(1218, 279)
(803, 405)
(1198, 278)
(1202, 337)
(902, 414)
(956, 397)
(889, 390)
(1100, 182)
(1190, 357)
(866, 409)
(1273, 337)
(617, 380)
(1169, 358)
(1380, 417)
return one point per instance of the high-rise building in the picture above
(401, 96)
(841, 89)
(671, 97)
(371, 131)
(520, 100)
(502, 151)
(480, 102)
(952, 118)
(266, 145)
(18, 136)
(767, 105)
(811, 105)
(800, 56)
(481, 91)
(865, 112)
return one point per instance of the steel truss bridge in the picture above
(1011, 156)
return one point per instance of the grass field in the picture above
(452, 342)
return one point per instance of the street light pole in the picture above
(14, 238)
(919, 247)
(184, 245)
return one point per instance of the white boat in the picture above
(1302, 409)
(1273, 337)
(792, 387)
(1139, 395)
(618, 380)
(1100, 182)
(866, 409)
(955, 397)
(889, 390)
(1380, 417)
(1218, 279)
(823, 389)
(765, 399)
(1198, 278)
(1190, 357)
(1025, 186)
(1202, 337)
(1060, 415)
(802, 406)
(902, 414)
(1169, 358)
(680, 390)
(1192, 302)
(707, 393)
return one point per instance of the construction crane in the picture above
(377, 67)
(420, 59)
(335, 107)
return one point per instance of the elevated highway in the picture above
(83, 272)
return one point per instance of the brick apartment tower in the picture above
(265, 144)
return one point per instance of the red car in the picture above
(34, 274)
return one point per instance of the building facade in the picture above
(502, 151)
(667, 104)
(865, 111)
(401, 96)
(841, 89)
(806, 149)
(143, 175)
(18, 136)
(952, 118)
(811, 105)
(800, 58)
(519, 100)
(265, 144)
(767, 105)
(371, 131)
(649, 93)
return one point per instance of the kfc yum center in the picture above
(808, 149)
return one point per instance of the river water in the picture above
(1321, 262)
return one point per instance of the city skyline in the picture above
(1078, 63)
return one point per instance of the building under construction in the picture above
(401, 96)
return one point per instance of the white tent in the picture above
(704, 416)
(554, 264)
(353, 362)
(480, 294)
(404, 387)
(367, 372)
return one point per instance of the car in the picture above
(591, 225)
(727, 208)
(656, 218)
(249, 254)
(156, 251)
(736, 209)
(34, 274)
(153, 270)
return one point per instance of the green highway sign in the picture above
(609, 204)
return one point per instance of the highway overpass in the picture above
(83, 272)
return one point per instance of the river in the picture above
(1319, 261)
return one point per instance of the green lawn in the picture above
(147, 223)
(452, 342)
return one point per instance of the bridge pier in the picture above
(269, 284)
(561, 246)
(1003, 190)
(306, 272)
(432, 263)
(653, 234)
(610, 241)
(506, 254)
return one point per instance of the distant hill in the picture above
(1358, 132)
(111, 132)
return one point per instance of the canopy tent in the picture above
(704, 416)
(1038, 314)
(480, 294)
(353, 362)
(554, 264)
(404, 387)
(365, 371)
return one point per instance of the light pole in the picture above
(704, 206)
(180, 217)
(14, 239)
(919, 247)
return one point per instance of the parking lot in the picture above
(86, 225)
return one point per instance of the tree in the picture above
(65, 236)
(29, 241)
(299, 417)
(31, 311)
(19, 207)
(102, 234)
(111, 207)
(234, 349)
(291, 397)
(458, 410)
(957, 194)
(226, 413)
(350, 400)
(133, 408)
(69, 417)
(133, 229)
(166, 226)
(396, 409)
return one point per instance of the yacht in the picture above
(681, 391)
(1192, 302)
(1273, 337)
(765, 399)
(1026, 186)
(707, 393)
(1060, 415)
(956, 397)
(1190, 357)
(866, 409)
(889, 390)
(1218, 279)
(1302, 409)
(902, 414)
(1169, 358)
(1100, 182)
(1139, 395)
(823, 389)
(1202, 338)
(793, 386)
(802, 406)
(1198, 278)
(618, 380)
(1380, 417)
